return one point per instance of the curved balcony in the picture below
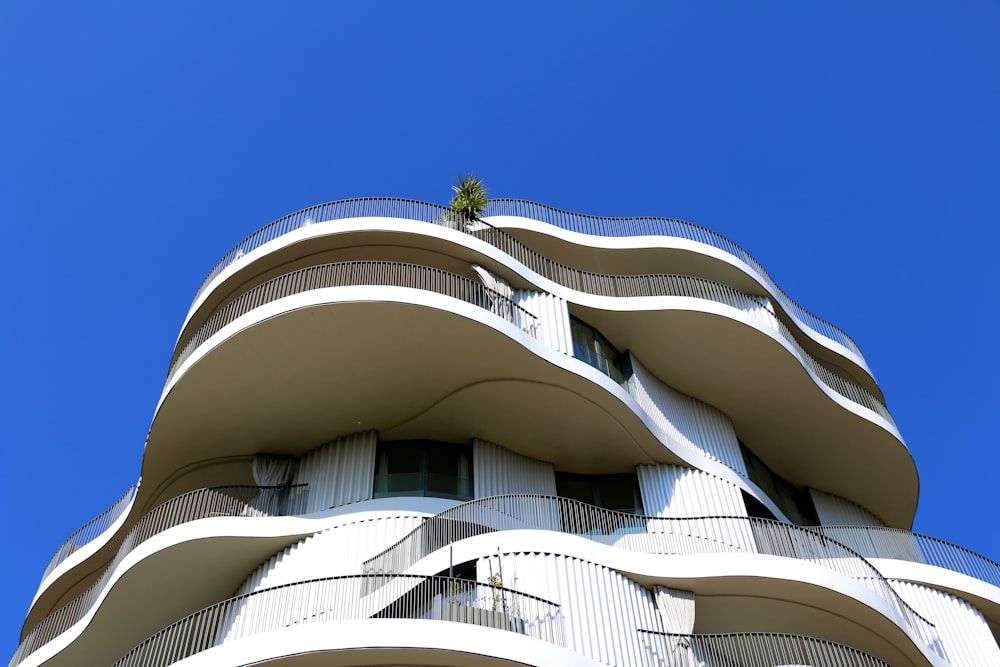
(411, 275)
(721, 312)
(897, 544)
(650, 226)
(346, 598)
(225, 501)
(750, 649)
(356, 273)
(91, 530)
(433, 213)
(646, 534)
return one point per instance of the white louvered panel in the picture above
(836, 511)
(764, 313)
(498, 471)
(718, 437)
(601, 609)
(686, 420)
(336, 551)
(553, 318)
(679, 492)
(339, 472)
(964, 633)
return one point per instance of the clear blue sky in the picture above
(852, 147)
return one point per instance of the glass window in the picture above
(613, 492)
(795, 502)
(423, 468)
(593, 348)
(575, 487)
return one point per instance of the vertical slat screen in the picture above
(553, 318)
(605, 631)
(690, 422)
(339, 472)
(498, 471)
(965, 636)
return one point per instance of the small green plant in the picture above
(470, 197)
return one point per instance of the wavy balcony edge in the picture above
(188, 507)
(605, 526)
(372, 588)
(92, 530)
(644, 533)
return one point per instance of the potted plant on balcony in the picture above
(468, 203)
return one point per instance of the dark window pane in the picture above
(618, 492)
(576, 487)
(403, 457)
(423, 468)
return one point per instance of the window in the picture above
(423, 468)
(613, 492)
(593, 348)
(794, 501)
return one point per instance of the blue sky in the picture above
(852, 147)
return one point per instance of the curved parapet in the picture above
(350, 597)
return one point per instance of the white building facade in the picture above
(390, 435)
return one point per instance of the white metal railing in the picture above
(90, 530)
(340, 274)
(749, 649)
(658, 535)
(586, 224)
(223, 501)
(347, 598)
(898, 544)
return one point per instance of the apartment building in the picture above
(393, 434)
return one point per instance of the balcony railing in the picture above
(340, 274)
(90, 530)
(878, 542)
(223, 501)
(655, 535)
(348, 598)
(649, 226)
(598, 226)
(583, 281)
(749, 649)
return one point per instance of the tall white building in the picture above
(390, 435)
